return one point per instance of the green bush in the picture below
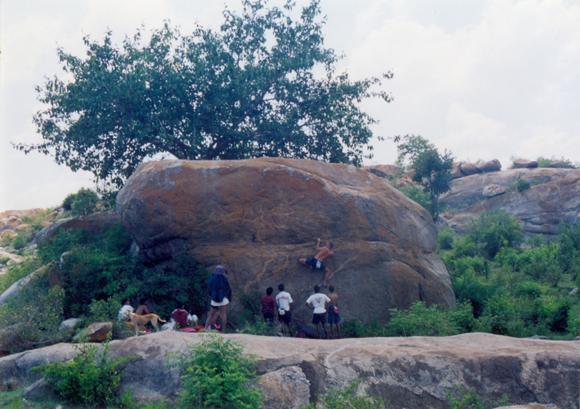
(259, 327)
(347, 398)
(17, 271)
(82, 203)
(495, 230)
(91, 378)
(417, 194)
(103, 310)
(521, 185)
(465, 399)
(445, 239)
(216, 374)
(421, 319)
(33, 316)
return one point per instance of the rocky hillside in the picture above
(542, 199)
(415, 372)
(259, 216)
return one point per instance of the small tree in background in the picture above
(263, 84)
(430, 168)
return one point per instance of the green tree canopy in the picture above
(263, 84)
(430, 168)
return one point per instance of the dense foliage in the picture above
(430, 168)
(91, 378)
(82, 203)
(216, 374)
(263, 84)
(347, 398)
(99, 266)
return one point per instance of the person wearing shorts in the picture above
(316, 263)
(283, 301)
(333, 312)
(220, 295)
(318, 302)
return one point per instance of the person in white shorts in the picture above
(220, 295)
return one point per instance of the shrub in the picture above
(445, 239)
(259, 327)
(417, 194)
(421, 320)
(33, 317)
(91, 378)
(521, 185)
(103, 310)
(82, 203)
(495, 230)
(465, 399)
(17, 271)
(347, 398)
(216, 374)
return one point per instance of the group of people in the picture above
(325, 310)
(325, 307)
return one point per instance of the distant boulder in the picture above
(468, 168)
(493, 165)
(96, 332)
(524, 164)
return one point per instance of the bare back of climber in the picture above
(317, 262)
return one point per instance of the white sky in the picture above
(483, 78)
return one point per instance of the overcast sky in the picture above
(483, 78)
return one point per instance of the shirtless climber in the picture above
(317, 262)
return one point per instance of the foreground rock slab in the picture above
(259, 216)
(414, 372)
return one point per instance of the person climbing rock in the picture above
(317, 261)
(220, 295)
(318, 303)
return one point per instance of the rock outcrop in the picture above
(259, 216)
(414, 372)
(93, 223)
(524, 164)
(462, 169)
(552, 199)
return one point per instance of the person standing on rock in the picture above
(268, 306)
(220, 295)
(283, 300)
(318, 302)
(333, 312)
(317, 262)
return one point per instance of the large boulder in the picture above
(259, 216)
(552, 200)
(413, 372)
(95, 332)
(493, 165)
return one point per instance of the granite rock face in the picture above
(259, 216)
(552, 199)
(413, 372)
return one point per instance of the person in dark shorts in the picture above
(316, 262)
(318, 302)
(283, 301)
(268, 306)
(333, 312)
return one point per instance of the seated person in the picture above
(180, 316)
(142, 309)
(125, 311)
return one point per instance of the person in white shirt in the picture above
(318, 302)
(283, 301)
(124, 312)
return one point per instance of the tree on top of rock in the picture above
(430, 168)
(263, 84)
